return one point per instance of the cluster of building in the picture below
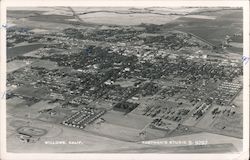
(201, 110)
(159, 63)
(83, 117)
(159, 123)
(226, 92)
(125, 107)
(226, 112)
(170, 112)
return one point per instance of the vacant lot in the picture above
(18, 107)
(49, 65)
(215, 29)
(29, 91)
(17, 64)
(20, 50)
(238, 101)
(112, 18)
(231, 126)
(129, 120)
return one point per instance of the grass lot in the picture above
(115, 131)
(238, 101)
(49, 65)
(29, 91)
(127, 19)
(18, 107)
(236, 44)
(130, 120)
(233, 124)
(212, 30)
(20, 50)
(16, 64)
(108, 105)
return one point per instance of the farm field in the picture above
(16, 64)
(215, 29)
(20, 50)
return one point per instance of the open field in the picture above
(17, 64)
(231, 126)
(184, 130)
(101, 104)
(236, 44)
(55, 113)
(130, 120)
(49, 65)
(213, 29)
(21, 108)
(125, 82)
(18, 107)
(200, 17)
(44, 25)
(30, 91)
(235, 49)
(224, 123)
(238, 101)
(120, 126)
(115, 131)
(128, 19)
(20, 50)
(21, 11)
(207, 121)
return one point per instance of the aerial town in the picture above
(128, 83)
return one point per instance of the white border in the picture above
(98, 3)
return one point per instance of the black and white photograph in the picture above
(162, 80)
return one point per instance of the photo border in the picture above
(98, 3)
